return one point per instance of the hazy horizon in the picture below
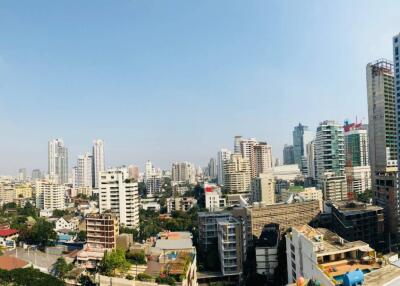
(177, 80)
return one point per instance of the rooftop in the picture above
(10, 262)
(8, 232)
(355, 206)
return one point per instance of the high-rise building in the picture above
(212, 169)
(358, 172)
(288, 155)
(183, 172)
(356, 145)
(259, 155)
(301, 137)
(49, 196)
(330, 157)
(263, 188)
(22, 175)
(311, 162)
(98, 164)
(36, 175)
(149, 169)
(334, 186)
(383, 141)
(223, 156)
(58, 161)
(133, 172)
(83, 171)
(231, 245)
(119, 194)
(237, 174)
(236, 146)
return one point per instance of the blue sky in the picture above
(176, 80)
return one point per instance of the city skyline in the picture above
(215, 79)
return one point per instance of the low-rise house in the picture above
(8, 238)
(67, 222)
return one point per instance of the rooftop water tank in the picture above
(353, 278)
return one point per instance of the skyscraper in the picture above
(259, 155)
(36, 175)
(358, 172)
(288, 155)
(98, 164)
(329, 153)
(311, 163)
(183, 172)
(22, 175)
(212, 169)
(236, 146)
(383, 141)
(301, 137)
(83, 171)
(119, 195)
(223, 156)
(58, 161)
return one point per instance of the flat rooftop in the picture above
(331, 242)
(355, 206)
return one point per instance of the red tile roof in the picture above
(10, 262)
(7, 232)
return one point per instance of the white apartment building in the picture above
(358, 179)
(49, 196)
(83, 171)
(334, 186)
(237, 174)
(223, 156)
(263, 188)
(213, 197)
(231, 246)
(119, 194)
(98, 162)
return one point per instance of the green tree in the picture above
(81, 235)
(28, 277)
(42, 233)
(61, 268)
(112, 261)
(137, 257)
(85, 280)
(60, 213)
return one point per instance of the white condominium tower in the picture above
(83, 171)
(119, 194)
(49, 196)
(98, 162)
(58, 161)
(223, 156)
(237, 174)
